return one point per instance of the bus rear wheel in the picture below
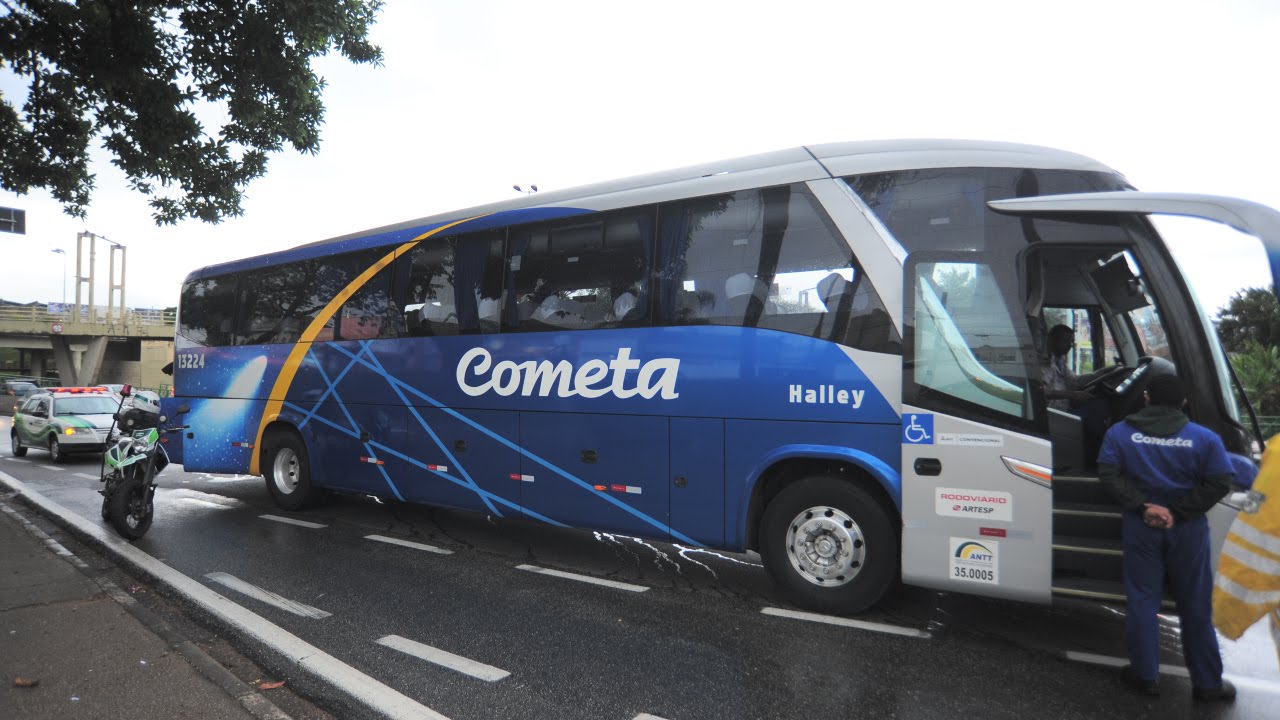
(829, 545)
(288, 473)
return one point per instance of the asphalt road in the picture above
(464, 621)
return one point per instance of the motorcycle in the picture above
(133, 459)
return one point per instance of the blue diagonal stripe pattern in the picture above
(367, 358)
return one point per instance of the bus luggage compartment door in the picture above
(605, 472)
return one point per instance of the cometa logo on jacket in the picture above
(1141, 439)
(621, 377)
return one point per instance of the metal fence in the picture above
(1269, 424)
(91, 315)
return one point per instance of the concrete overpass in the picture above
(91, 345)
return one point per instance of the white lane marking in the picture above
(477, 670)
(406, 543)
(846, 622)
(53, 467)
(267, 596)
(87, 476)
(291, 521)
(1175, 670)
(14, 459)
(647, 716)
(205, 503)
(305, 656)
(582, 578)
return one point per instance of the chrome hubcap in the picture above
(284, 471)
(825, 546)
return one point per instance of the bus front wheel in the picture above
(829, 545)
(288, 473)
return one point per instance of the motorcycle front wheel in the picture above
(130, 508)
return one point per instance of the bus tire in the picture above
(288, 473)
(829, 545)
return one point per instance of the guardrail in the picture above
(1269, 424)
(92, 316)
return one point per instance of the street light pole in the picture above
(63, 253)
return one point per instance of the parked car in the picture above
(63, 420)
(12, 393)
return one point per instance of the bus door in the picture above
(1251, 218)
(976, 458)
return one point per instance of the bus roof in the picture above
(772, 168)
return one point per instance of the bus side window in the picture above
(580, 274)
(771, 259)
(451, 285)
(208, 310)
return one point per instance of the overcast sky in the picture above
(477, 95)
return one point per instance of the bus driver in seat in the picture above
(1062, 389)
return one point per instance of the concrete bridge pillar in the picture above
(78, 358)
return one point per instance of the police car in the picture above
(63, 420)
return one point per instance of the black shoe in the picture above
(1225, 693)
(1146, 687)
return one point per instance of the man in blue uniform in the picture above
(1167, 472)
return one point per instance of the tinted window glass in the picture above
(771, 259)
(276, 303)
(207, 312)
(580, 274)
(946, 209)
(454, 285)
(370, 313)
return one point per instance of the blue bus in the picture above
(832, 355)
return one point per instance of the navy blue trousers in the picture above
(1181, 553)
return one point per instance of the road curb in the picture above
(352, 687)
(248, 696)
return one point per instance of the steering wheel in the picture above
(1135, 378)
(1108, 375)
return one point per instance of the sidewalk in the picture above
(91, 655)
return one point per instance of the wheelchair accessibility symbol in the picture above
(917, 429)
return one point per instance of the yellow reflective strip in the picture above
(1266, 599)
(292, 363)
(1252, 547)
(1254, 536)
(1258, 562)
(1232, 616)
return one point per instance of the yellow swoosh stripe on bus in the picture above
(291, 364)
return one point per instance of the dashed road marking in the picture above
(466, 666)
(305, 657)
(205, 503)
(87, 476)
(846, 622)
(291, 521)
(267, 596)
(17, 460)
(55, 468)
(406, 543)
(583, 578)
